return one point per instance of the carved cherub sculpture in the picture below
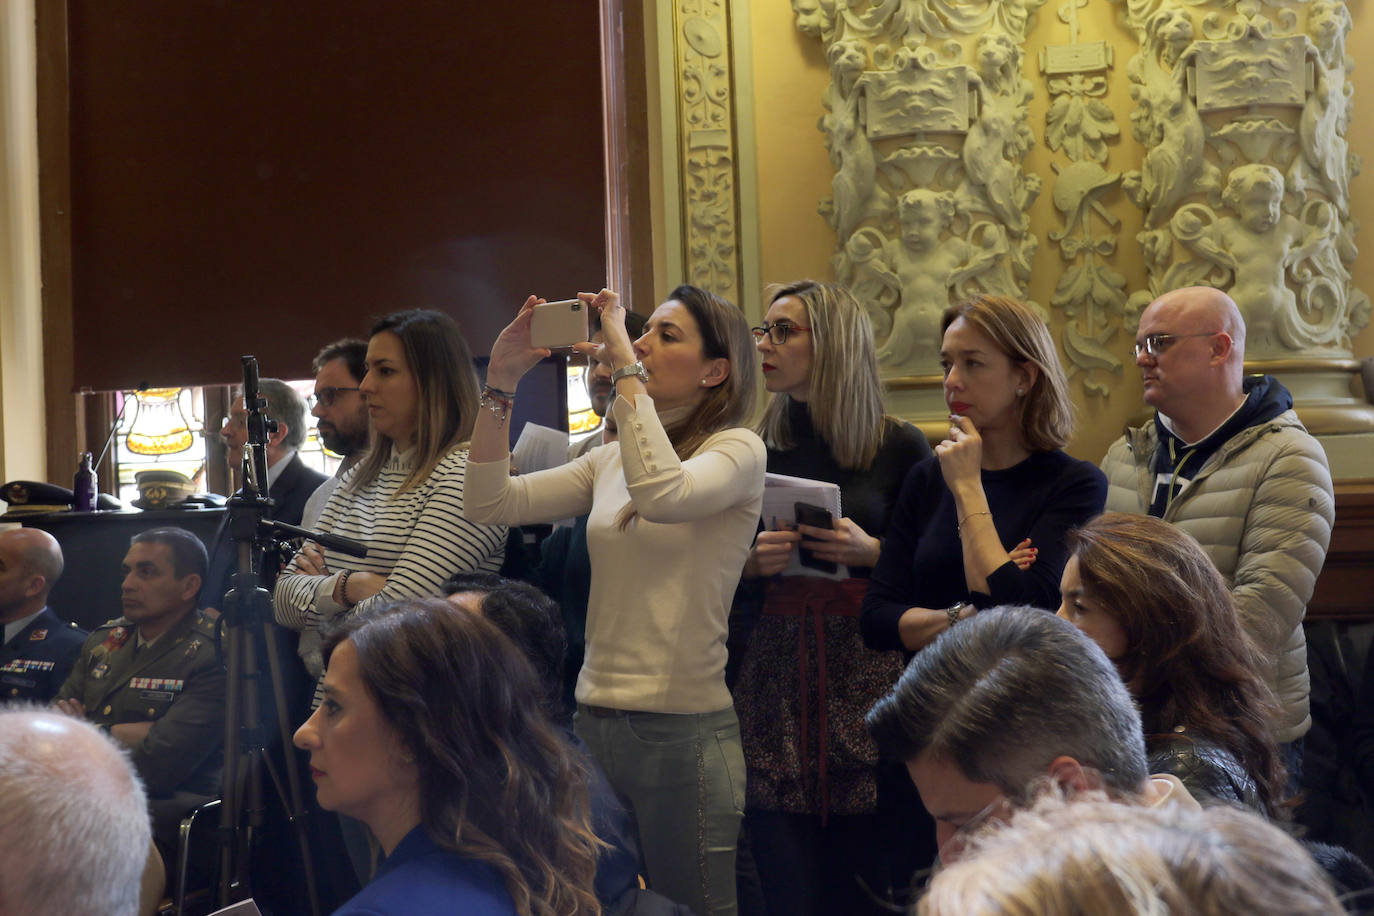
(926, 269)
(1258, 246)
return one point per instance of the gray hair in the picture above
(285, 404)
(1004, 693)
(73, 817)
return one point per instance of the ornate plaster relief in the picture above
(926, 126)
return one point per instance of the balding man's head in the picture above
(1191, 353)
(73, 817)
(1204, 310)
(30, 563)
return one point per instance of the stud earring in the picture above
(1020, 391)
(703, 382)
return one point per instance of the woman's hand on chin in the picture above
(961, 455)
(512, 355)
(620, 350)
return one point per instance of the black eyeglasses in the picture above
(777, 332)
(326, 397)
(1155, 344)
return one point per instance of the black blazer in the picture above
(34, 664)
(292, 488)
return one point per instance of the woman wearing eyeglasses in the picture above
(999, 478)
(673, 506)
(807, 679)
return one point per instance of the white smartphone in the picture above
(559, 325)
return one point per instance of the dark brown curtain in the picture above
(259, 176)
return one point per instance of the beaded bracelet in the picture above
(498, 402)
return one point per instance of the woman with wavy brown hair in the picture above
(1147, 593)
(432, 732)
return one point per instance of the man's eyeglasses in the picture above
(1155, 344)
(777, 333)
(325, 397)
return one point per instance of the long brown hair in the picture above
(1046, 409)
(725, 334)
(497, 783)
(439, 359)
(845, 398)
(1188, 659)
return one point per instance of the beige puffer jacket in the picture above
(1262, 508)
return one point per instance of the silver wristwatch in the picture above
(636, 369)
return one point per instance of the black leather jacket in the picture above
(1206, 769)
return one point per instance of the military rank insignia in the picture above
(116, 640)
(22, 665)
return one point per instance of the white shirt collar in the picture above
(274, 471)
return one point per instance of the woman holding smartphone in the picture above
(1000, 477)
(807, 679)
(673, 508)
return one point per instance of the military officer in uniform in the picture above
(38, 649)
(152, 678)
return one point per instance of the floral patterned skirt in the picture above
(805, 685)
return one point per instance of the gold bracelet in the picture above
(959, 529)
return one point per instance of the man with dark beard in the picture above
(341, 413)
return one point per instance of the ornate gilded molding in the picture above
(707, 145)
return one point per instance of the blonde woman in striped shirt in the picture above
(404, 498)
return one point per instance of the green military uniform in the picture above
(177, 681)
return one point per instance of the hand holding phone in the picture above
(559, 325)
(816, 517)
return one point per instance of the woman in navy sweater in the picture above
(999, 478)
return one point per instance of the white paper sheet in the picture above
(781, 493)
(539, 448)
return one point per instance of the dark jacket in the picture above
(292, 488)
(1207, 770)
(36, 662)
